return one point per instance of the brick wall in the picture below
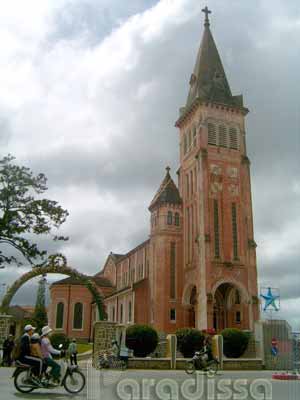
(5, 322)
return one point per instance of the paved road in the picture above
(148, 385)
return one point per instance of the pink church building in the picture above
(198, 266)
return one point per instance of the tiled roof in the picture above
(99, 281)
(167, 192)
(208, 81)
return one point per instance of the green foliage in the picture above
(40, 314)
(189, 340)
(235, 342)
(142, 339)
(25, 213)
(59, 338)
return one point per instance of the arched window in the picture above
(113, 314)
(234, 231)
(177, 219)
(129, 311)
(121, 313)
(170, 218)
(233, 139)
(59, 315)
(216, 228)
(237, 299)
(78, 316)
(194, 136)
(173, 270)
(212, 136)
(223, 142)
(185, 144)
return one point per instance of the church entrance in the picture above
(189, 302)
(227, 307)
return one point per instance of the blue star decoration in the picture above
(270, 300)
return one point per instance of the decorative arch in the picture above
(233, 282)
(56, 264)
(229, 300)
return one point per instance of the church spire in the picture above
(208, 81)
(167, 193)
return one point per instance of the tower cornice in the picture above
(188, 112)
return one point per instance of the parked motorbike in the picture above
(200, 362)
(109, 360)
(73, 380)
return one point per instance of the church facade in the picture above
(198, 266)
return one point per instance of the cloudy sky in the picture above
(90, 91)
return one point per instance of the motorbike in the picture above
(200, 362)
(109, 360)
(73, 380)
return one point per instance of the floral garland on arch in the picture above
(56, 264)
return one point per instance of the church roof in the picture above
(208, 81)
(167, 192)
(98, 280)
(116, 256)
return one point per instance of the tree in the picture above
(235, 342)
(189, 340)
(142, 339)
(40, 314)
(24, 213)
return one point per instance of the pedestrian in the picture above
(72, 351)
(8, 346)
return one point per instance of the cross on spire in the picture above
(206, 11)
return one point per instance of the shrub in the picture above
(59, 338)
(189, 340)
(235, 342)
(142, 339)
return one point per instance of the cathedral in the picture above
(198, 266)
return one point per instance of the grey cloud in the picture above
(260, 60)
(283, 274)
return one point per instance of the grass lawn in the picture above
(83, 347)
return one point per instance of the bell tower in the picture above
(166, 277)
(219, 256)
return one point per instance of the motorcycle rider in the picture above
(25, 353)
(48, 351)
(207, 347)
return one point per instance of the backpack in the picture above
(16, 353)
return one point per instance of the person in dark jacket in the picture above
(8, 346)
(25, 352)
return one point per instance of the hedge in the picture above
(189, 340)
(142, 339)
(235, 342)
